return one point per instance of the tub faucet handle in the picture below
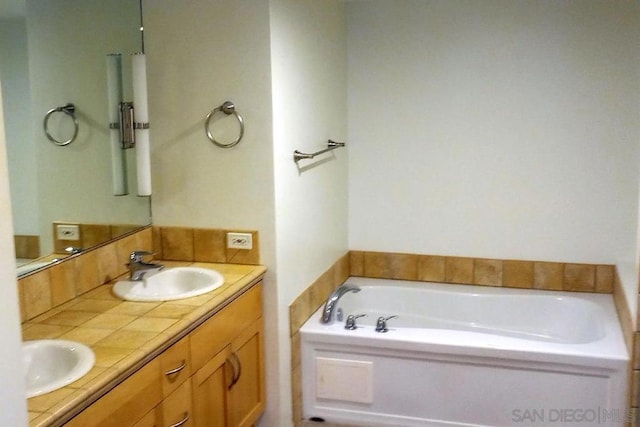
(381, 324)
(351, 321)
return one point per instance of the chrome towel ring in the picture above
(68, 109)
(227, 107)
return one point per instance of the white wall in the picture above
(13, 405)
(21, 147)
(308, 66)
(199, 55)
(499, 128)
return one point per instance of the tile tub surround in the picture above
(482, 271)
(456, 270)
(123, 334)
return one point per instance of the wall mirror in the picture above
(53, 52)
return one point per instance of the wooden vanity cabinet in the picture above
(212, 377)
(227, 351)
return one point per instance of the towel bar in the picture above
(331, 145)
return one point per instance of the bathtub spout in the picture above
(330, 305)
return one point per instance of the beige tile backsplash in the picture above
(42, 291)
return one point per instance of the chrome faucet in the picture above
(330, 305)
(138, 268)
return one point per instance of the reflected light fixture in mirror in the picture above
(116, 128)
(132, 120)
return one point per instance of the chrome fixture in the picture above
(228, 108)
(351, 321)
(381, 324)
(138, 268)
(330, 304)
(72, 250)
(331, 145)
(129, 127)
(68, 109)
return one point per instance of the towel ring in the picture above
(227, 107)
(69, 110)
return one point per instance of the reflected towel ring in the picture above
(227, 107)
(69, 110)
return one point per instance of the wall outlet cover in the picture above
(240, 241)
(67, 232)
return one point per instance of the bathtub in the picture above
(466, 356)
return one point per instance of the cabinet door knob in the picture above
(182, 422)
(176, 370)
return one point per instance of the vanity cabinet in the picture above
(228, 385)
(229, 390)
(212, 377)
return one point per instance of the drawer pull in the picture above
(182, 422)
(176, 370)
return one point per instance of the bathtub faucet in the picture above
(330, 305)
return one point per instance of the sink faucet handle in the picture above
(351, 321)
(381, 324)
(136, 256)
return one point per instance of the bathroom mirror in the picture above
(53, 52)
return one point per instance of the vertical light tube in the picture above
(114, 98)
(141, 118)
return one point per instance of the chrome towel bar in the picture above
(331, 145)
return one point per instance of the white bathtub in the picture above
(466, 356)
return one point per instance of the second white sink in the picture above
(52, 364)
(170, 284)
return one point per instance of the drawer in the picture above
(175, 366)
(127, 403)
(212, 336)
(176, 409)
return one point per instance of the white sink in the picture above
(171, 284)
(52, 364)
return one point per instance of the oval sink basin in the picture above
(53, 364)
(171, 284)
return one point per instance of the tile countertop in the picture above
(123, 334)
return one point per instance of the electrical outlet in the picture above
(67, 232)
(239, 241)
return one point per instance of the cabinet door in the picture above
(247, 393)
(210, 385)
